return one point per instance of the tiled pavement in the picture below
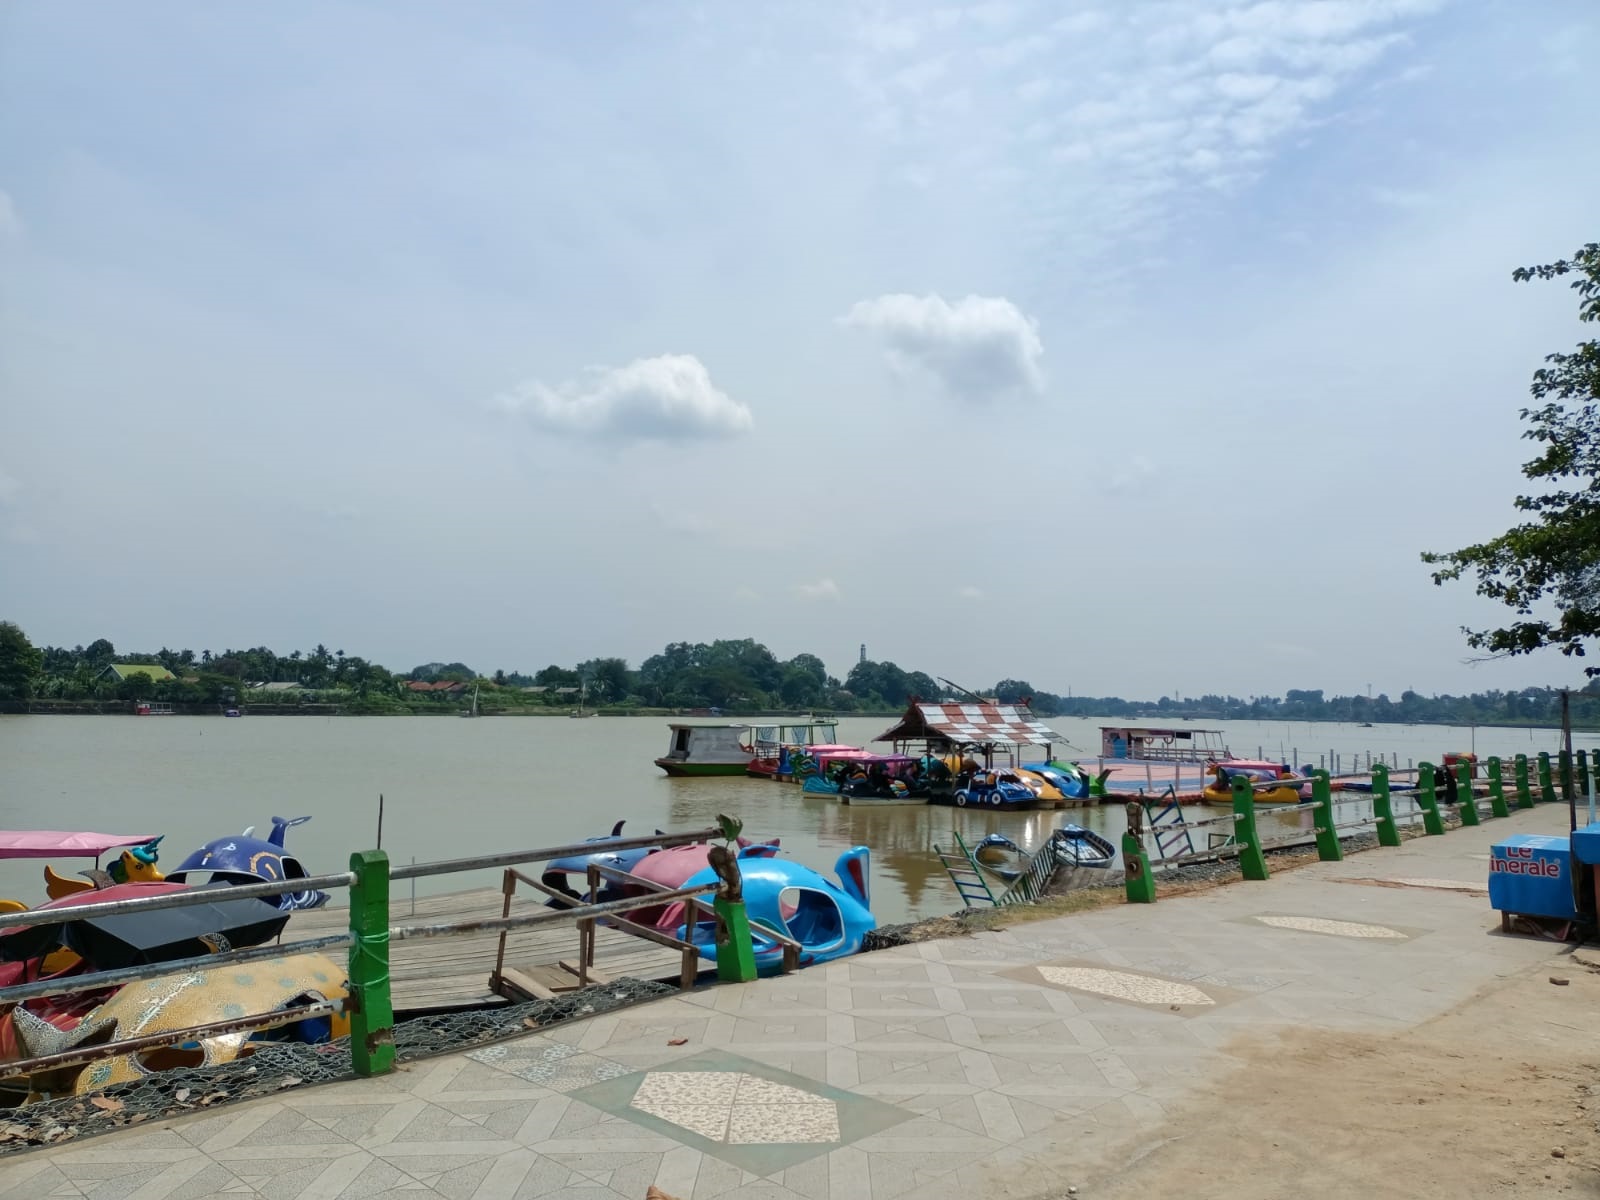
(945, 1069)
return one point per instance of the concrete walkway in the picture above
(938, 1070)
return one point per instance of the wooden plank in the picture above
(453, 972)
(525, 987)
(594, 976)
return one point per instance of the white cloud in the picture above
(979, 348)
(745, 592)
(670, 397)
(970, 593)
(10, 222)
(822, 589)
(1127, 117)
(10, 487)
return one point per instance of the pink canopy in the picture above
(52, 843)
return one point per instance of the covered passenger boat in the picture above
(778, 751)
(980, 744)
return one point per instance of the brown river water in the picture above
(454, 788)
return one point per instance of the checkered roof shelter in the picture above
(981, 724)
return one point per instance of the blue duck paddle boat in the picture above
(248, 859)
(829, 920)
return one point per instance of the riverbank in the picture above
(1314, 1029)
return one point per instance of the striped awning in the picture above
(980, 724)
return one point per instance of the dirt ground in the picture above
(1476, 1102)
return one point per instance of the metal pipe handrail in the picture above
(512, 858)
(206, 894)
(74, 984)
(401, 933)
(171, 1037)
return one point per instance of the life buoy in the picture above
(995, 798)
(961, 799)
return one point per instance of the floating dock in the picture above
(450, 973)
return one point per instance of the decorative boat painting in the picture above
(248, 859)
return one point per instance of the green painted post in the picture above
(372, 1012)
(1252, 862)
(1524, 792)
(1547, 786)
(1583, 774)
(1328, 849)
(1383, 807)
(1428, 801)
(1497, 788)
(736, 950)
(1468, 805)
(1138, 882)
(1565, 761)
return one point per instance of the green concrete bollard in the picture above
(1564, 761)
(1524, 792)
(1138, 881)
(1328, 848)
(1583, 774)
(1547, 786)
(1252, 862)
(1467, 806)
(736, 950)
(1497, 789)
(1428, 801)
(372, 1010)
(1383, 807)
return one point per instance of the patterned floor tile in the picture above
(743, 1112)
(1334, 928)
(554, 1065)
(1154, 992)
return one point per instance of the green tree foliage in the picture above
(738, 675)
(21, 663)
(1547, 568)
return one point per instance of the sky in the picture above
(1129, 348)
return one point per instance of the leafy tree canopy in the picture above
(1547, 568)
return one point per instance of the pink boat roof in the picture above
(48, 843)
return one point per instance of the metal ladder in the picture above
(1165, 821)
(971, 884)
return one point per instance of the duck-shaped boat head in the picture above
(137, 864)
(829, 920)
(248, 859)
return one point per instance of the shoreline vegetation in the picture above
(734, 679)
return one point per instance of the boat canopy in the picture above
(53, 843)
(971, 724)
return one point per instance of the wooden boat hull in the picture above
(679, 769)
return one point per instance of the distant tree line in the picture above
(727, 675)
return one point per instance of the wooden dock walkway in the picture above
(443, 973)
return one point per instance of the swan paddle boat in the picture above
(829, 920)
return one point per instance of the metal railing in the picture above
(1502, 793)
(368, 1002)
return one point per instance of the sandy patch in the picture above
(1472, 1103)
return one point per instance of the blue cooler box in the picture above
(1531, 874)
